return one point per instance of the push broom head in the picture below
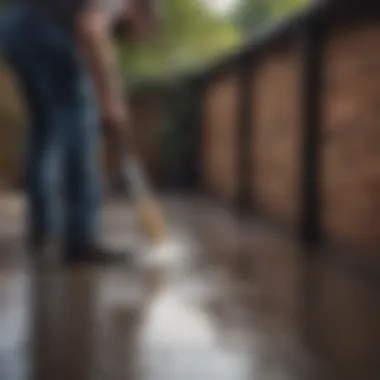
(152, 220)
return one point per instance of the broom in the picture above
(151, 217)
(131, 171)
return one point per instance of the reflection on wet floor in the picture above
(201, 323)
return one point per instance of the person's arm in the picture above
(94, 41)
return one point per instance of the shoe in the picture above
(92, 254)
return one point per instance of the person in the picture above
(63, 57)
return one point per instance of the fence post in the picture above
(196, 123)
(243, 200)
(244, 135)
(311, 104)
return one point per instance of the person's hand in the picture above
(113, 115)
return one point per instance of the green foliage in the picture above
(191, 34)
(251, 15)
(282, 8)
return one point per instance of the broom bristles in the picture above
(151, 216)
(152, 220)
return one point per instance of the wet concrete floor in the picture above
(231, 307)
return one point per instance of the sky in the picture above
(221, 6)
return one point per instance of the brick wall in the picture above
(276, 137)
(219, 134)
(351, 136)
(275, 141)
(350, 120)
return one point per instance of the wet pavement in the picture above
(231, 306)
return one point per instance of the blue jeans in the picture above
(62, 168)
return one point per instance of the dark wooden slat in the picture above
(196, 115)
(310, 230)
(244, 135)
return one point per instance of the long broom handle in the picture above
(129, 166)
(150, 212)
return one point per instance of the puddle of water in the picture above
(171, 322)
(179, 341)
